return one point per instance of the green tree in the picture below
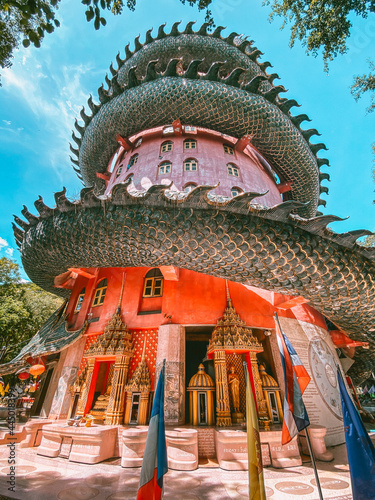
(321, 24)
(369, 241)
(365, 83)
(24, 307)
(325, 25)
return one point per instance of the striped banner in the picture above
(296, 380)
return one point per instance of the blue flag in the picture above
(361, 451)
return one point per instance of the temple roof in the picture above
(268, 382)
(232, 334)
(140, 381)
(53, 337)
(201, 379)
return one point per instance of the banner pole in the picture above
(314, 464)
(307, 437)
(246, 371)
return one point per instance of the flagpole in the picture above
(314, 464)
(307, 436)
(257, 489)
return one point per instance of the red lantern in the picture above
(23, 375)
(37, 369)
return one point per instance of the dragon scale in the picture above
(208, 104)
(247, 245)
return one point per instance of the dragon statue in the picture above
(217, 83)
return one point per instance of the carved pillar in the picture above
(86, 388)
(115, 411)
(223, 417)
(58, 397)
(262, 405)
(171, 346)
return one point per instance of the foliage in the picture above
(326, 25)
(363, 84)
(30, 20)
(321, 24)
(26, 19)
(24, 307)
(369, 241)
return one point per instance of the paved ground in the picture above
(41, 478)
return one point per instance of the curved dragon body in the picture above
(268, 248)
(204, 80)
(192, 47)
(207, 104)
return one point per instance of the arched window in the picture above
(165, 167)
(153, 286)
(100, 293)
(119, 170)
(233, 170)
(235, 191)
(81, 296)
(166, 146)
(189, 187)
(190, 165)
(190, 144)
(133, 160)
(228, 149)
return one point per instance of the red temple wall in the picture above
(194, 299)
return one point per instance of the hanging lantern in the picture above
(23, 375)
(37, 369)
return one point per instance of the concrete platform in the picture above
(86, 445)
(42, 478)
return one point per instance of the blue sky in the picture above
(45, 89)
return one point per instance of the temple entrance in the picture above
(103, 386)
(202, 408)
(136, 399)
(39, 409)
(196, 352)
(274, 407)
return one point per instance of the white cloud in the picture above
(54, 95)
(7, 122)
(12, 130)
(4, 247)
(3, 243)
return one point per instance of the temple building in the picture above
(197, 222)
